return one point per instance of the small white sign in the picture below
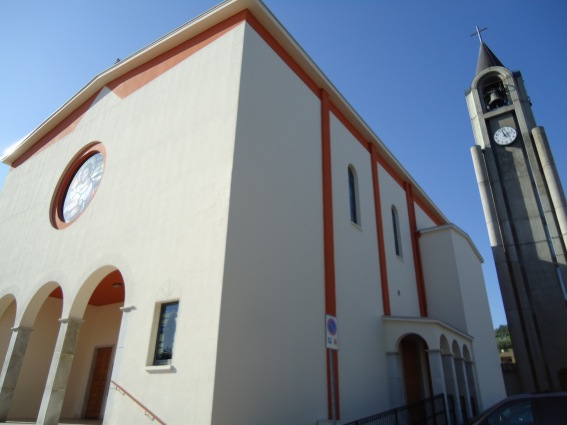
(332, 332)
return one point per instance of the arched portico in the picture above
(82, 361)
(441, 343)
(26, 363)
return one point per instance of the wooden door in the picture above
(412, 370)
(99, 382)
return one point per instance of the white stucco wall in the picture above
(160, 216)
(271, 355)
(401, 272)
(362, 360)
(442, 277)
(422, 220)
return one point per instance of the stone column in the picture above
(56, 385)
(437, 372)
(463, 386)
(11, 369)
(473, 396)
(452, 389)
(395, 380)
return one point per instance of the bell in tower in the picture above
(494, 95)
(495, 99)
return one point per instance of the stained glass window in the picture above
(83, 186)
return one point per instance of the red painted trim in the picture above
(282, 53)
(388, 168)
(351, 128)
(330, 297)
(142, 75)
(436, 218)
(105, 293)
(65, 127)
(380, 232)
(329, 246)
(416, 250)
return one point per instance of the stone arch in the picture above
(30, 352)
(456, 349)
(90, 287)
(37, 300)
(5, 302)
(444, 345)
(466, 353)
(92, 326)
(8, 308)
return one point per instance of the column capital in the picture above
(67, 320)
(127, 308)
(22, 329)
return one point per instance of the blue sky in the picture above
(403, 65)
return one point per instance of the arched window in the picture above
(396, 228)
(353, 195)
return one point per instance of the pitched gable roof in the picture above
(125, 76)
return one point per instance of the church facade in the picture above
(208, 233)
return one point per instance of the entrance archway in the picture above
(417, 378)
(89, 378)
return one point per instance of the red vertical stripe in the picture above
(380, 231)
(416, 251)
(329, 248)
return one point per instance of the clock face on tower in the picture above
(505, 135)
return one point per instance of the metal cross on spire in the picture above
(478, 31)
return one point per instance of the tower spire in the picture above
(486, 58)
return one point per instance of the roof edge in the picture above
(192, 28)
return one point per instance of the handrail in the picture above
(147, 411)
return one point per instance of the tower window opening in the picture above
(494, 94)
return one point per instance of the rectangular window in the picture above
(165, 333)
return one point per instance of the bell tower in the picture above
(524, 206)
